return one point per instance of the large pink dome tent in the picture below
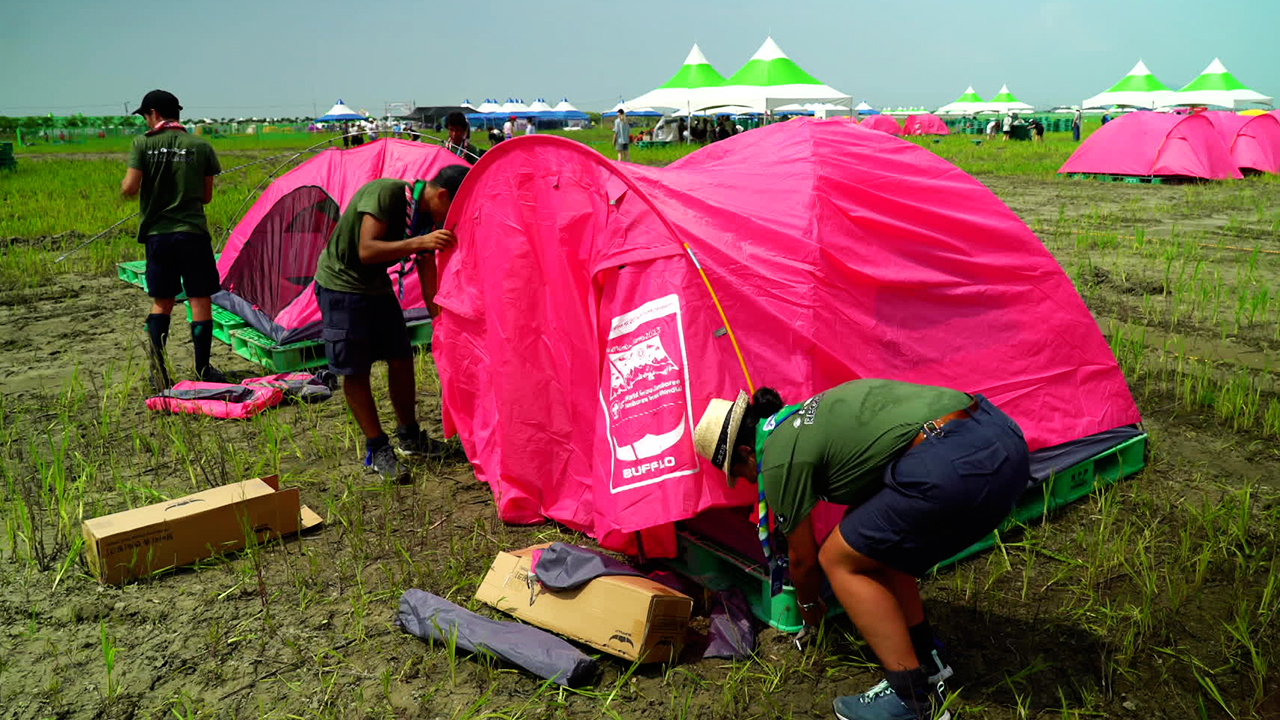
(1148, 144)
(268, 262)
(579, 341)
(883, 123)
(925, 124)
(1253, 141)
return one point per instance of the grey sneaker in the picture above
(882, 703)
(384, 462)
(419, 445)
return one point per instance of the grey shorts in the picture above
(944, 494)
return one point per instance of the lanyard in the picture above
(775, 552)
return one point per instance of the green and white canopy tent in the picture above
(967, 104)
(1137, 89)
(685, 89)
(1004, 102)
(770, 80)
(1216, 86)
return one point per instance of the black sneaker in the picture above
(385, 463)
(420, 445)
(159, 376)
(213, 375)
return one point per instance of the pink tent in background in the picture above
(883, 123)
(925, 124)
(268, 262)
(579, 342)
(1253, 141)
(1149, 143)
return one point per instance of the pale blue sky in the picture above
(286, 57)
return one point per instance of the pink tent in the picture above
(883, 123)
(1253, 141)
(579, 342)
(268, 262)
(1150, 143)
(925, 124)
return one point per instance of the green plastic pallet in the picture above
(1131, 179)
(134, 272)
(257, 348)
(718, 568)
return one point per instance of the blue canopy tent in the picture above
(339, 113)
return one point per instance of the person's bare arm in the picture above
(208, 190)
(806, 574)
(373, 249)
(428, 280)
(132, 182)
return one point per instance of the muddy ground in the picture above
(1048, 626)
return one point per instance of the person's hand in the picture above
(433, 241)
(807, 635)
(814, 616)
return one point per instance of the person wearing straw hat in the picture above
(925, 471)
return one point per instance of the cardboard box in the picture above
(143, 540)
(632, 617)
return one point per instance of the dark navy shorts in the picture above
(944, 494)
(359, 330)
(181, 261)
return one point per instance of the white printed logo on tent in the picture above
(647, 408)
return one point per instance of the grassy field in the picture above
(1158, 597)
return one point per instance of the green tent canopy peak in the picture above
(770, 66)
(696, 72)
(1215, 77)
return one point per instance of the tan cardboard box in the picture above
(632, 617)
(178, 532)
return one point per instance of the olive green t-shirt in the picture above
(837, 445)
(340, 267)
(174, 165)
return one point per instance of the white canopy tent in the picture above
(564, 106)
(968, 103)
(770, 80)
(1216, 86)
(1140, 88)
(819, 110)
(1005, 102)
(687, 88)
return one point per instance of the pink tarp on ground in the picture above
(1253, 141)
(578, 345)
(339, 174)
(1151, 143)
(883, 123)
(925, 124)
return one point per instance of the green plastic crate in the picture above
(720, 569)
(133, 272)
(257, 348)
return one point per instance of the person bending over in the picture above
(925, 471)
(360, 316)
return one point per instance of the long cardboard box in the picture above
(138, 542)
(632, 617)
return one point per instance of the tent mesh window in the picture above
(278, 260)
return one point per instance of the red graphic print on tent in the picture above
(648, 405)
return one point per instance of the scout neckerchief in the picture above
(412, 194)
(166, 125)
(775, 551)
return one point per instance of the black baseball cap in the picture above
(162, 101)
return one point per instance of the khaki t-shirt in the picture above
(838, 444)
(174, 165)
(340, 267)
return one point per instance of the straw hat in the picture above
(716, 430)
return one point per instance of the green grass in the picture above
(1162, 591)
